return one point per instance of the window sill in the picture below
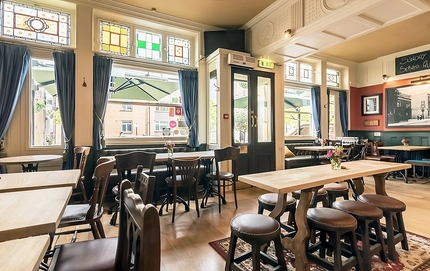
(144, 140)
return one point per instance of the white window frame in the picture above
(127, 123)
(126, 107)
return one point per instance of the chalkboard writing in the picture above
(413, 63)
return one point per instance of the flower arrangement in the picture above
(405, 142)
(169, 146)
(323, 142)
(335, 155)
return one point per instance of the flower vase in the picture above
(336, 164)
(405, 144)
(169, 152)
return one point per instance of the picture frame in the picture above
(371, 105)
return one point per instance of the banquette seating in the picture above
(295, 158)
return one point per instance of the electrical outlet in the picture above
(377, 133)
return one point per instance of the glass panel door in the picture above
(264, 109)
(240, 108)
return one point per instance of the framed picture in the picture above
(371, 105)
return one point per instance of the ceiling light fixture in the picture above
(288, 33)
(385, 77)
(422, 79)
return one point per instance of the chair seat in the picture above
(331, 219)
(222, 175)
(169, 180)
(272, 199)
(359, 210)
(255, 227)
(336, 187)
(77, 212)
(93, 255)
(385, 203)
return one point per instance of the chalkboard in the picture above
(413, 63)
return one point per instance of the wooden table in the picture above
(30, 160)
(163, 157)
(32, 212)
(12, 182)
(311, 178)
(23, 254)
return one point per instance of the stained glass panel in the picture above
(306, 72)
(114, 38)
(35, 24)
(333, 78)
(291, 71)
(148, 45)
(178, 51)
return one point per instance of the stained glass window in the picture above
(306, 73)
(178, 51)
(35, 24)
(291, 71)
(148, 45)
(114, 38)
(333, 78)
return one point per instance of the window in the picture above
(297, 112)
(178, 51)
(114, 38)
(333, 78)
(299, 71)
(332, 115)
(213, 107)
(148, 45)
(126, 107)
(126, 126)
(45, 118)
(155, 100)
(35, 24)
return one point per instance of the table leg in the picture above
(298, 243)
(30, 167)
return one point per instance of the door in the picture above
(252, 119)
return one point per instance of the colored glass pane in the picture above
(178, 51)
(291, 71)
(306, 72)
(114, 38)
(35, 24)
(333, 78)
(148, 45)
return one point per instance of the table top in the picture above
(23, 254)
(11, 182)
(163, 157)
(28, 159)
(403, 148)
(288, 180)
(32, 212)
(315, 148)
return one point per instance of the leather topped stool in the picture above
(257, 230)
(390, 207)
(336, 190)
(337, 225)
(368, 217)
(268, 201)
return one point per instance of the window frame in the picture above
(126, 122)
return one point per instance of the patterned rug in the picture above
(416, 259)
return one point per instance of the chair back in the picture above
(139, 239)
(127, 162)
(101, 179)
(227, 154)
(144, 185)
(187, 170)
(80, 158)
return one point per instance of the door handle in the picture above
(252, 120)
(255, 121)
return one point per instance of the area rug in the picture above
(416, 259)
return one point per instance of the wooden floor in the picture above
(185, 246)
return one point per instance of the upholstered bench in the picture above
(422, 163)
(299, 158)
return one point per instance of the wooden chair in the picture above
(80, 161)
(185, 173)
(137, 247)
(92, 212)
(144, 185)
(373, 153)
(222, 155)
(125, 163)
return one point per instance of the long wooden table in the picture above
(308, 179)
(23, 254)
(163, 157)
(38, 180)
(32, 212)
(30, 160)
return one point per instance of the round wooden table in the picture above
(30, 160)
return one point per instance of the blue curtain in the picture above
(188, 85)
(64, 71)
(102, 68)
(316, 108)
(14, 62)
(343, 109)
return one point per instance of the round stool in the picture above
(257, 230)
(368, 217)
(268, 201)
(337, 225)
(336, 190)
(321, 196)
(390, 207)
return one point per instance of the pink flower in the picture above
(169, 145)
(405, 141)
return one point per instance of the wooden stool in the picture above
(336, 190)
(390, 207)
(368, 217)
(268, 201)
(257, 230)
(336, 224)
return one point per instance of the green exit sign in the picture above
(266, 64)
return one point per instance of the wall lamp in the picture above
(421, 79)
(385, 77)
(288, 33)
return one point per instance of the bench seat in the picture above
(415, 162)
